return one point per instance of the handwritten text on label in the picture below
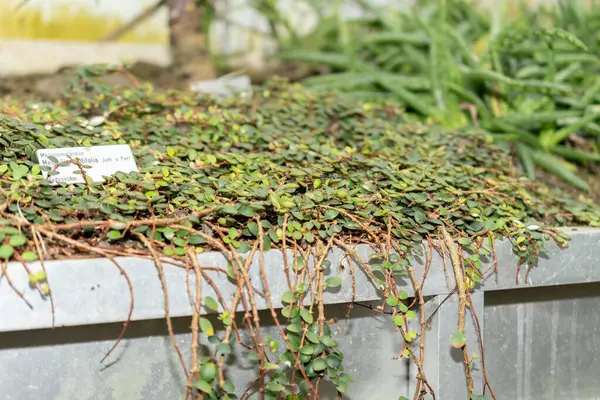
(104, 161)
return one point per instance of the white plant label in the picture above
(97, 162)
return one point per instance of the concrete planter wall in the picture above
(541, 336)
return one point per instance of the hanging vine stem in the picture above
(418, 287)
(163, 282)
(38, 248)
(321, 282)
(4, 274)
(353, 278)
(256, 336)
(236, 298)
(91, 249)
(481, 348)
(286, 267)
(462, 303)
(239, 295)
(194, 370)
(417, 361)
(286, 340)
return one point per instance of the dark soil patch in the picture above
(50, 86)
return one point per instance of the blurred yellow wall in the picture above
(79, 20)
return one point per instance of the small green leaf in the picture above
(253, 228)
(6, 251)
(411, 315)
(229, 270)
(333, 282)
(246, 211)
(458, 339)
(274, 387)
(114, 235)
(403, 295)
(208, 372)
(169, 233)
(420, 217)
(398, 320)
(342, 387)
(19, 240)
(331, 214)
(244, 247)
(287, 297)
(29, 256)
(307, 349)
(309, 237)
(464, 241)
(312, 337)
(211, 303)
(203, 386)
(327, 341)
(224, 348)
(319, 364)
(306, 316)
(289, 311)
(206, 327)
(391, 301)
(271, 366)
(229, 387)
(37, 277)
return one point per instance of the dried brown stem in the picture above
(418, 287)
(151, 221)
(274, 313)
(9, 281)
(163, 282)
(357, 221)
(353, 277)
(481, 349)
(462, 302)
(194, 368)
(75, 243)
(357, 258)
(286, 267)
(443, 254)
(36, 242)
(239, 295)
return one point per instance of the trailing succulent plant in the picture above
(284, 168)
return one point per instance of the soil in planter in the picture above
(51, 86)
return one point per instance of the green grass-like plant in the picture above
(530, 80)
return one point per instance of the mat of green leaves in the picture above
(324, 164)
(531, 80)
